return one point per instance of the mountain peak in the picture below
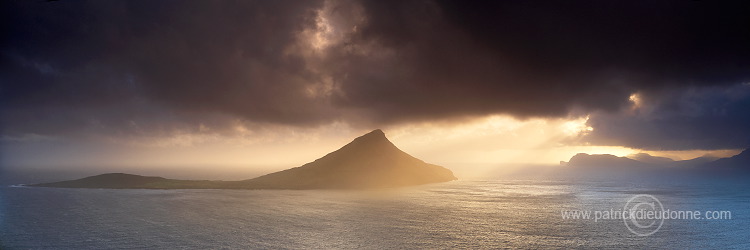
(376, 131)
(373, 134)
(369, 161)
(373, 141)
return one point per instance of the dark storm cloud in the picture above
(75, 65)
(687, 118)
(540, 59)
(69, 64)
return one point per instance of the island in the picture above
(642, 164)
(369, 161)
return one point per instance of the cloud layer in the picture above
(76, 67)
(689, 118)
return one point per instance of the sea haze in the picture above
(471, 214)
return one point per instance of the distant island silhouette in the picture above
(369, 161)
(738, 165)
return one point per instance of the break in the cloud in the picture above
(123, 68)
(688, 118)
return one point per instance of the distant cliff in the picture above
(608, 161)
(370, 161)
(738, 164)
(644, 163)
(129, 181)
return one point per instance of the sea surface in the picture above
(459, 214)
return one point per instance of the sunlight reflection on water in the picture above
(470, 214)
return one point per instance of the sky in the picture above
(266, 85)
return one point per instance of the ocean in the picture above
(458, 214)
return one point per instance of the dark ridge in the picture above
(738, 164)
(113, 180)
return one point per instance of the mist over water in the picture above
(471, 214)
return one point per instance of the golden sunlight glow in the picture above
(470, 147)
(474, 147)
(496, 139)
(576, 127)
(635, 98)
